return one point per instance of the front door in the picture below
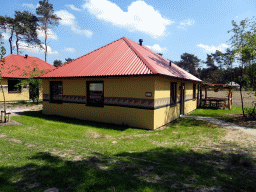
(33, 92)
(182, 88)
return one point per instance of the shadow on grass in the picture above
(160, 169)
(61, 119)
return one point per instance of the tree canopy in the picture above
(189, 62)
(57, 63)
(47, 19)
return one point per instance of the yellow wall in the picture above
(134, 87)
(24, 95)
(14, 96)
(131, 87)
(190, 106)
(165, 115)
(141, 118)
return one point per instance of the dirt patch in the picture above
(95, 135)
(248, 96)
(12, 122)
(2, 135)
(240, 120)
(19, 109)
(242, 139)
(15, 140)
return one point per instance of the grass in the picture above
(214, 112)
(73, 155)
(226, 115)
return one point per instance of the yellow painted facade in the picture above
(132, 117)
(23, 96)
(122, 87)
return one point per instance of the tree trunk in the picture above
(10, 40)
(17, 44)
(4, 101)
(242, 101)
(45, 33)
(241, 85)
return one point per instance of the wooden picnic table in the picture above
(214, 102)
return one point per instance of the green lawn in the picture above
(210, 112)
(73, 155)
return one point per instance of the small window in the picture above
(13, 87)
(95, 94)
(194, 91)
(173, 93)
(56, 91)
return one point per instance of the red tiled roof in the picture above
(15, 65)
(121, 57)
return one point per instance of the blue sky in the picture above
(171, 27)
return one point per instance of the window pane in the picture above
(56, 90)
(95, 94)
(173, 92)
(96, 86)
(12, 86)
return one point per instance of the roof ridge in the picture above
(81, 56)
(140, 56)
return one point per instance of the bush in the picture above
(251, 111)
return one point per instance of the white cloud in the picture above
(36, 48)
(157, 48)
(139, 17)
(74, 8)
(69, 19)
(5, 36)
(70, 49)
(185, 23)
(31, 6)
(213, 48)
(50, 34)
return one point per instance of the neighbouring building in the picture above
(123, 82)
(12, 72)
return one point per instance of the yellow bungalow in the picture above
(12, 70)
(122, 82)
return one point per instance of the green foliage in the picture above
(57, 63)
(46, 11)
(23, 26)
(68, 59)
(250, 111)
(47, 18)
(35, 84)
(189, 62)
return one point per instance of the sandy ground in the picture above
(248, 96)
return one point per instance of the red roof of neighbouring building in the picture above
(122, 57)
(14, 65)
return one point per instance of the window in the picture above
(56, 91)
(12, 86)
(194, 91)
(173, 93)
(95, 94)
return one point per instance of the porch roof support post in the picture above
(200, 103)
